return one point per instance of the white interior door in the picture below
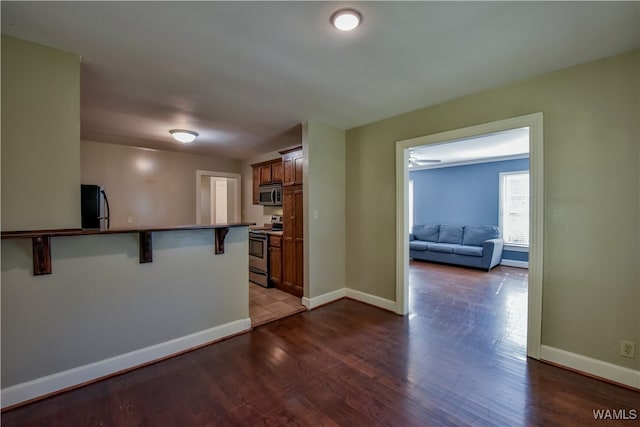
(219, 200)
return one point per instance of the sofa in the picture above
(478, 246)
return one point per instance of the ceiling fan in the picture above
(415, 161)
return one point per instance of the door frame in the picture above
(201, 173)
(536, 225)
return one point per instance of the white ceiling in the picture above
(246, 74)
(504, 145)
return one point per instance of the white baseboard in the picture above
(514, 263)
(61, 380)
(314, 302)
(371, 299)
(591, 366)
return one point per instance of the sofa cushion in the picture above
(450, 234)
(468, 250)
(446, 248)
(418, 245)
(475, 235)
(428, 233)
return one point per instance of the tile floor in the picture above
(269, 304)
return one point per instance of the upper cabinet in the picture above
(265, 174)
(276, 171)
(256, 183)
(292, 166)
(268, 172)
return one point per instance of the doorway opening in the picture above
(476, 181)
(404, 156)
(217, 197)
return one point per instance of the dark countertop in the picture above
(84, 232)
(266, 230)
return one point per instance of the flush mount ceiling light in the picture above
(184, 136)
(346, 19)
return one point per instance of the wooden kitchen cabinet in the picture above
(265, 174)
(268, 172)
(256, 183)
(292, 241)
(276, 171)
(275, 260)
(292, 166)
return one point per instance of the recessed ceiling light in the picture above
(184, 136)
(346, 19)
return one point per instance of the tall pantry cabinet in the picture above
(293, 232)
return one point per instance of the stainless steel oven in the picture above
(259, 258)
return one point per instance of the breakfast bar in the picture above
(41, 240)
(105, 307)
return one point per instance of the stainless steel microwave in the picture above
(270, 195)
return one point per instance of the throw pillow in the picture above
(450, 234)
(428, 233)
(475, 235)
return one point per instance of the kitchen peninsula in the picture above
(103, 310)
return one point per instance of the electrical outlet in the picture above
(627, 349)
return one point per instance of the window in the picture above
(514, 208)
(410, 206)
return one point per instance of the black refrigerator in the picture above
(95, 207)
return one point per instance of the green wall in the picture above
(591, 198)
(40, 137)
(324, 195)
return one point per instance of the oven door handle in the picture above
(258, 238)
(256, 271)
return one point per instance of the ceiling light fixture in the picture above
(184, 136)
(346, 19)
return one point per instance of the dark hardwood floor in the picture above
(457, 359)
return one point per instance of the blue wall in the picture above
(462, 195)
